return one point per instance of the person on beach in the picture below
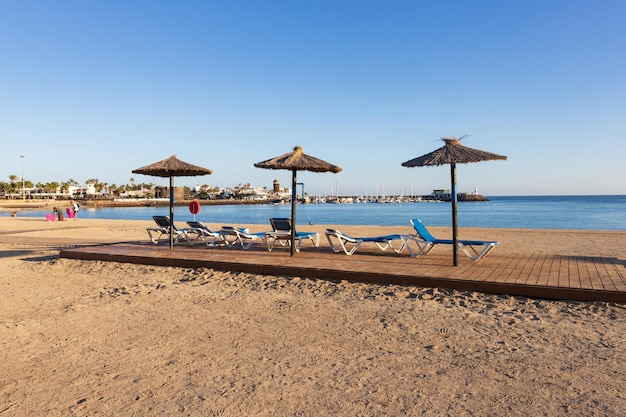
(58, 212)
(75, 208)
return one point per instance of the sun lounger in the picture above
(281, 234)
(163, 229)
(204, 232)
(235, 236)
(350, 244)
(425, 241)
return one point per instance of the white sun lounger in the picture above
(204, 232)
(235, 236)
(350, 244)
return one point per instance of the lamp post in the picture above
(23, 186)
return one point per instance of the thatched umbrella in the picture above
(297, 161)
(453, 152)
(172, 167)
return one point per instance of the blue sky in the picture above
(95, 89)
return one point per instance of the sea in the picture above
(601, 212)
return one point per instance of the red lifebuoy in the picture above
(194, 207)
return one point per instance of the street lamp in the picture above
(23, 187)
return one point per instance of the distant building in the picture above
(441, 195)
(446, 195)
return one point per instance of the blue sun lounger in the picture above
(350, 244)
(474, 249)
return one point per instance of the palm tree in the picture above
(65, 187)
(97, 185)
(12, 179)
(5, 187)
(71, 183)
(113, 189)
(51, 187)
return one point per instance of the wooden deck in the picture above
(541, 276)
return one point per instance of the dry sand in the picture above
(87, 338)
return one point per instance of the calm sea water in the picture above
(541, 212)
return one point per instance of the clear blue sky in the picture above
(95, 89)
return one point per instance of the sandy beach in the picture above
(85, 338)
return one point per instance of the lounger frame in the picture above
(204, 233)
(350, 244)
(163, 229)
(281, 234)
(235, 236)
(426, 242)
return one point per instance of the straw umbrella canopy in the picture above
(297, 161)
(172, 167)
(452, 153)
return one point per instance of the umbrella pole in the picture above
(455, 239)
(293, 213)
(171, 211)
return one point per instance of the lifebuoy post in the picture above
(194, 208)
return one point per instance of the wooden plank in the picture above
(526, 273)
(583, 272)
(564, 272)
(554, 272)
(513, 272)
(499, 268)
(539, 272)
(598, 282)
(616, 271)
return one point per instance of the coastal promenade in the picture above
(550, 276)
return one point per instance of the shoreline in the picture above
(540, 241)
